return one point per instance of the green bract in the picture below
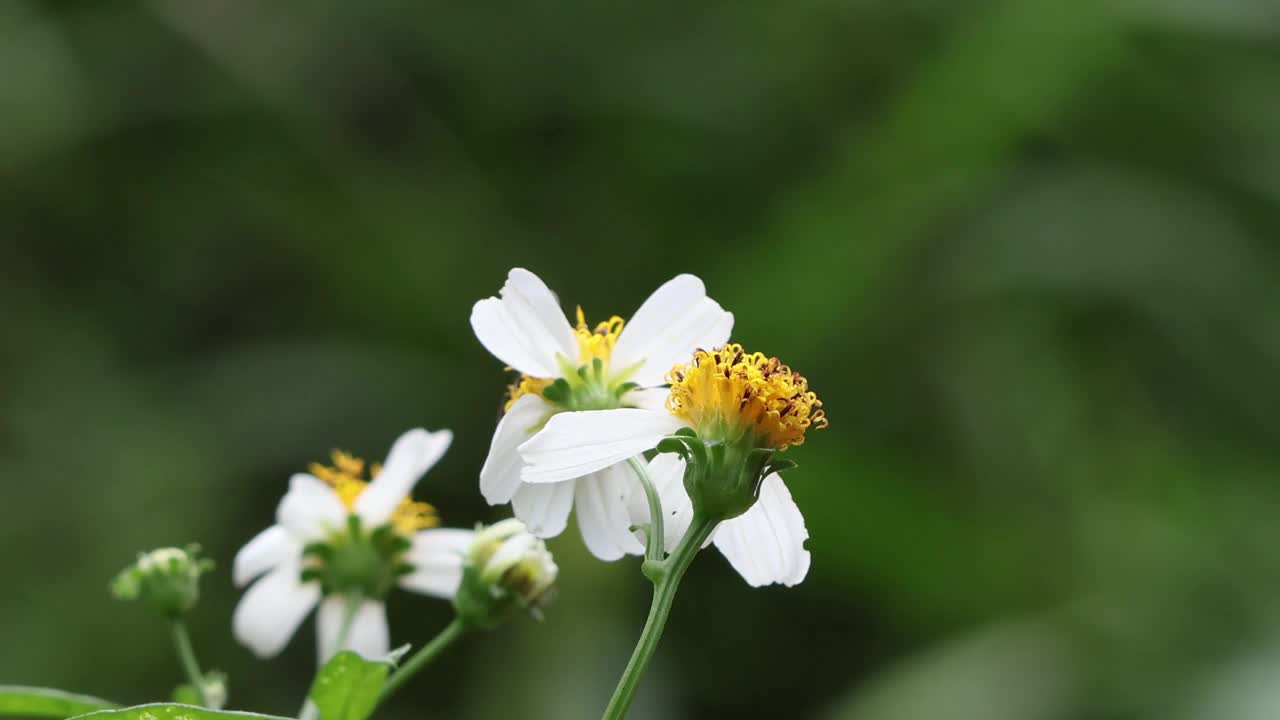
(588, 387)
(356, 562)
(722, 478)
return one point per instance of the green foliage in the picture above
(47, 702)
(347, 687)
(174, 711)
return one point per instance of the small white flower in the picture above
(506, 567)
(567, 370)
(765, 544)
(315, 519)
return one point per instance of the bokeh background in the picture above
(1022, 248)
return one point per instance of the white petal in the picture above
(652, 398)
(766, 543)
(273, 608)
(574, 444)
(436, 557)
(525, 328)
(412, 455)
(266, 550)
(367, 636)
(311, 509)
(500, 476)
(600, 500)
(677, 319)
(544, 508)
(666, 472)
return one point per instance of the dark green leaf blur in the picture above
(1023, 250)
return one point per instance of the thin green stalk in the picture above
(423, 657)
(654, 551)
(665, 584)
(187, 656)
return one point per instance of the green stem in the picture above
(423, 657)
(187, 655)
(654, 552)
(665, 584)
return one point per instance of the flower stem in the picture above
(187, 655)
(665, 584)
(654, 552)
(423, 657)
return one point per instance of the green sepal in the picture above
(347, 687)
(174, 711)
(778, 466)
(686, 432)
(47, 702)
(673, 445)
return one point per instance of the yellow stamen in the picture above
(593, 343)
(346, 477)
(730, 389)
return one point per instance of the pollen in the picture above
(347, 477)
(729, 391)
(593, 344)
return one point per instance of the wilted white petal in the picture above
(265, 551)
(311, 509)
(273, 608)
(544, 508)
(436, 557)
(600, 501)
(368, 635)
(411, 456)
(574, 444)
(666, 472)
(766, 543)
(677, 319)
(525, 328)
(500, 476)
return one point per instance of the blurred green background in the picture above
(1022, 249)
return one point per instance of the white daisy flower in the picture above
(339, 536)
(727, 413)
(567, 369)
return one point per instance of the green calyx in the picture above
(722, 477)
(588, 387)
(167, 579)
(358, 562)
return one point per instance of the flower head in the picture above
(339, 536)
(505, 567)
(571, 368)
(167, 579)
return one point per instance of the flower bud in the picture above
(505, 567)
(167, 579)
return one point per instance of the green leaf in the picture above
(347, 687)
(46, 702)
(174, 711)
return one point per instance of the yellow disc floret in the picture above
(593, 344)
(346, 477)
(728, 391)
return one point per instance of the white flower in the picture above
(317, 517)
(566, 370)
(505, 568)
(765, 544)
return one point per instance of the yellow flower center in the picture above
(346, 477)
(729, 391)
(593, 344)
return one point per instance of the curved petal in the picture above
(411, 456)
(677, 319)
(368, 635)
(600, 501)
(311, 509)
(273, 608)
(266, 550)
(544, 509)
(500, 476)
(436, 557)
(666, 472)
(766, 543)
(525, 328)
(650, 398)
(574, 444)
